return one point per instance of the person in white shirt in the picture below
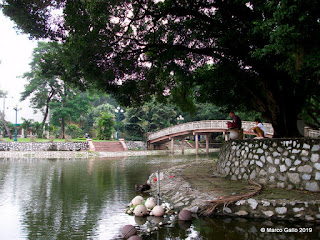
(259, 129)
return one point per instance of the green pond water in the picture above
(86, 199)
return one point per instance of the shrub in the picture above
(33, 138)
(74, 131)
(105, 124)
(51, 138)
(68, 138)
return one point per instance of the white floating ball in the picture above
(150, 203)
(158, 211)
(137, 200)
(140, 211)
(152, 198)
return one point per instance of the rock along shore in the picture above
(191, 186)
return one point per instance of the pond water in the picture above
(86, 199)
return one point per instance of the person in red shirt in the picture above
(236, 121)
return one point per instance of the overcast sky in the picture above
(15, 56)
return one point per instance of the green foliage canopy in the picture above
(42, 87)
(150, 117)
(265, 54)
(74, 131)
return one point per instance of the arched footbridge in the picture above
(206, 127)
(181, 131)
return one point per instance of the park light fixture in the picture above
(118, 110)
(15, 129)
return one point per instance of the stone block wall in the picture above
(136, 145)
(282, 163)
(43, 146)
(293, 210)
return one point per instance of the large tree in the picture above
(42, 86)
(264, 54)
(69, 106)
(48, 90)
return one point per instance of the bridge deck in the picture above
(199, 128)
(206, 127)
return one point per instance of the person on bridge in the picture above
(236, 123)
(259, 129)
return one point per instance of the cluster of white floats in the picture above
(139, 207)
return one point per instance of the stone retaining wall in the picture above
(60, 146)
(43, 146)
(286, 209)
(136, 145)
(47, 155)
(282, 163)
(182, 195)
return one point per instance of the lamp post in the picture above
(179, 119)
(118, 110)
(15, 129)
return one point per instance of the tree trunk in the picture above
(283, 106)
(47, 106)
(45, 115)
(285, 123)
(5, 125)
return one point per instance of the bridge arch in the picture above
(196, 128)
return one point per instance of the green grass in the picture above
(56, 140)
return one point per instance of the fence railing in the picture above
(311, 132)
(218, 125)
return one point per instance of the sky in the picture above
(15, 56)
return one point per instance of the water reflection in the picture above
(86, 199)
(75, 198)
(232, 229)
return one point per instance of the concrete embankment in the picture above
(88, 154)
